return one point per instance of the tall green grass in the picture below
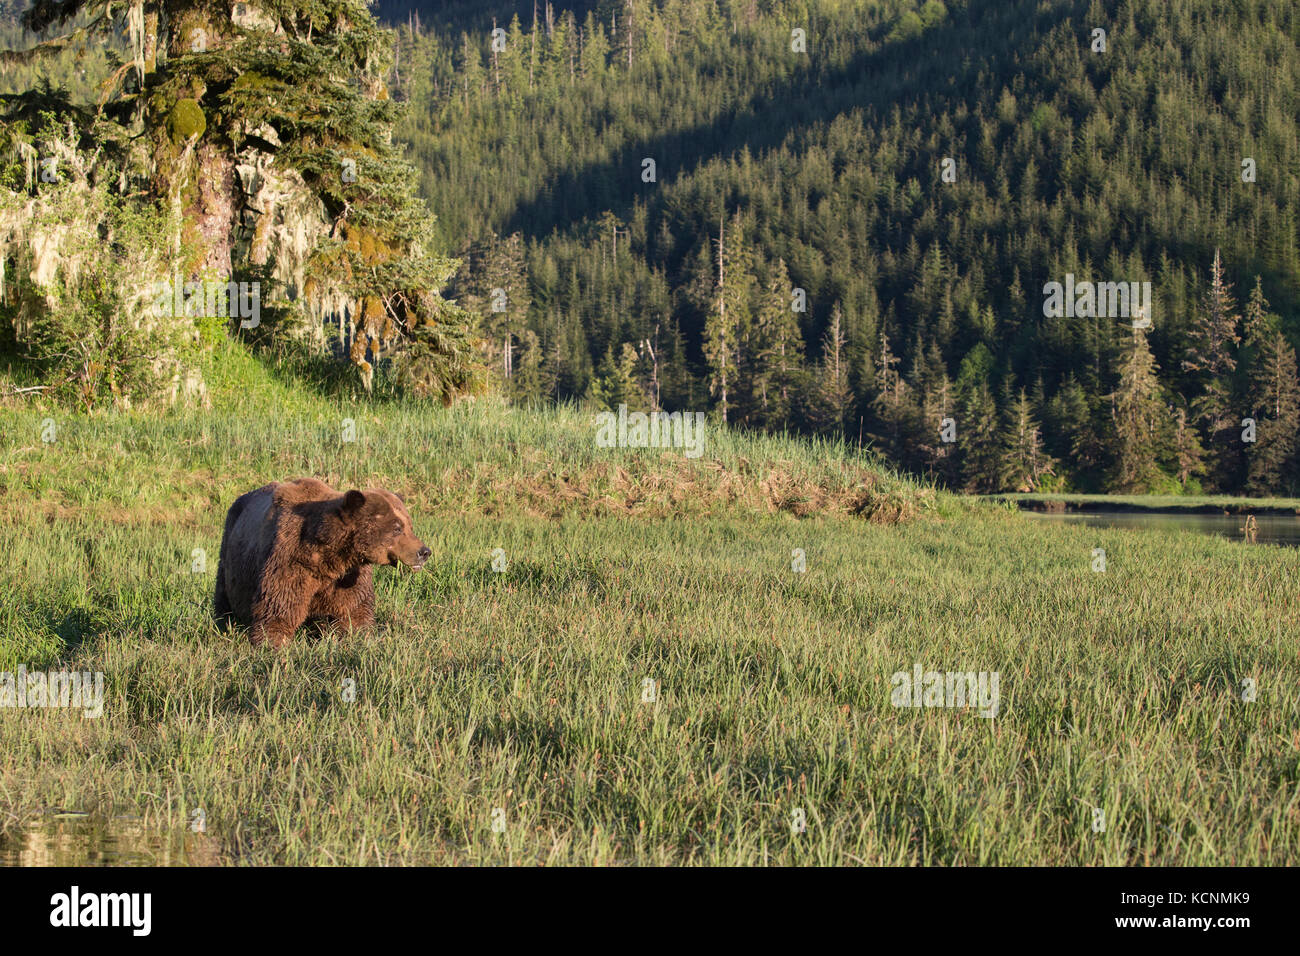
(517, 697)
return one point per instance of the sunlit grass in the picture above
(523, 690)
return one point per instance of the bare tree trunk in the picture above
(722, 308)
(496, 67)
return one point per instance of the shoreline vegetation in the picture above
(1151, 504)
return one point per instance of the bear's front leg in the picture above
(349, 603)
(280, 609)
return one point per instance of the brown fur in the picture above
(298, 551)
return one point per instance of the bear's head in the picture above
(381, 528)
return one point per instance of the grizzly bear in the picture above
(298, 551)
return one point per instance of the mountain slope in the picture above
(1123, 165)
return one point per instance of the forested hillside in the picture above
(1115, 158)
(843, 218)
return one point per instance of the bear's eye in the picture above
(397, 528)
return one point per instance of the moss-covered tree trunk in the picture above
(266, 130)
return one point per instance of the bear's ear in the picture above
(352, 501)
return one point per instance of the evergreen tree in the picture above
(615, 382)
(1023, 462)
(779, 355)
(1259, 323)
(978, 438)
(1210, 357)
(936, 456)
(471, 69)
(1188, 454)
(1138, 414)
(893, 402)
(264, 129)
(557, 63)
(831, 397)
(492, 284)
(1273, 400)
(595, 47)
(729, 318)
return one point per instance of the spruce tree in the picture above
(832, 396)
(729, 319)
(492, 284)
(1069, 430)
(1211, 360)
(780, 353)
(1023, 461)
(264, 128)
(934, 455)
(1187, 452)
(893, 401)
(615, 382)
(1138, 415)
(1273, 400)
(595, 47)
(978, 438)
(1258, 322)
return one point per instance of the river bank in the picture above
(1152, 504)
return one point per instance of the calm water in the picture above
(82, 840)
(1271, 529)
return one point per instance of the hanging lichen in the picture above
(267, 130)
(136, 37)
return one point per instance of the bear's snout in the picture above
(413, 554)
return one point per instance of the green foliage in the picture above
(908, 28)
(1023, 463)
(78, 299)
(186, 121)
(829, 163)
(289, 90)
(1139, 422)
(615, 384)
(832, 163)
(523, 689)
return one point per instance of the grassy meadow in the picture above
(498, 717)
